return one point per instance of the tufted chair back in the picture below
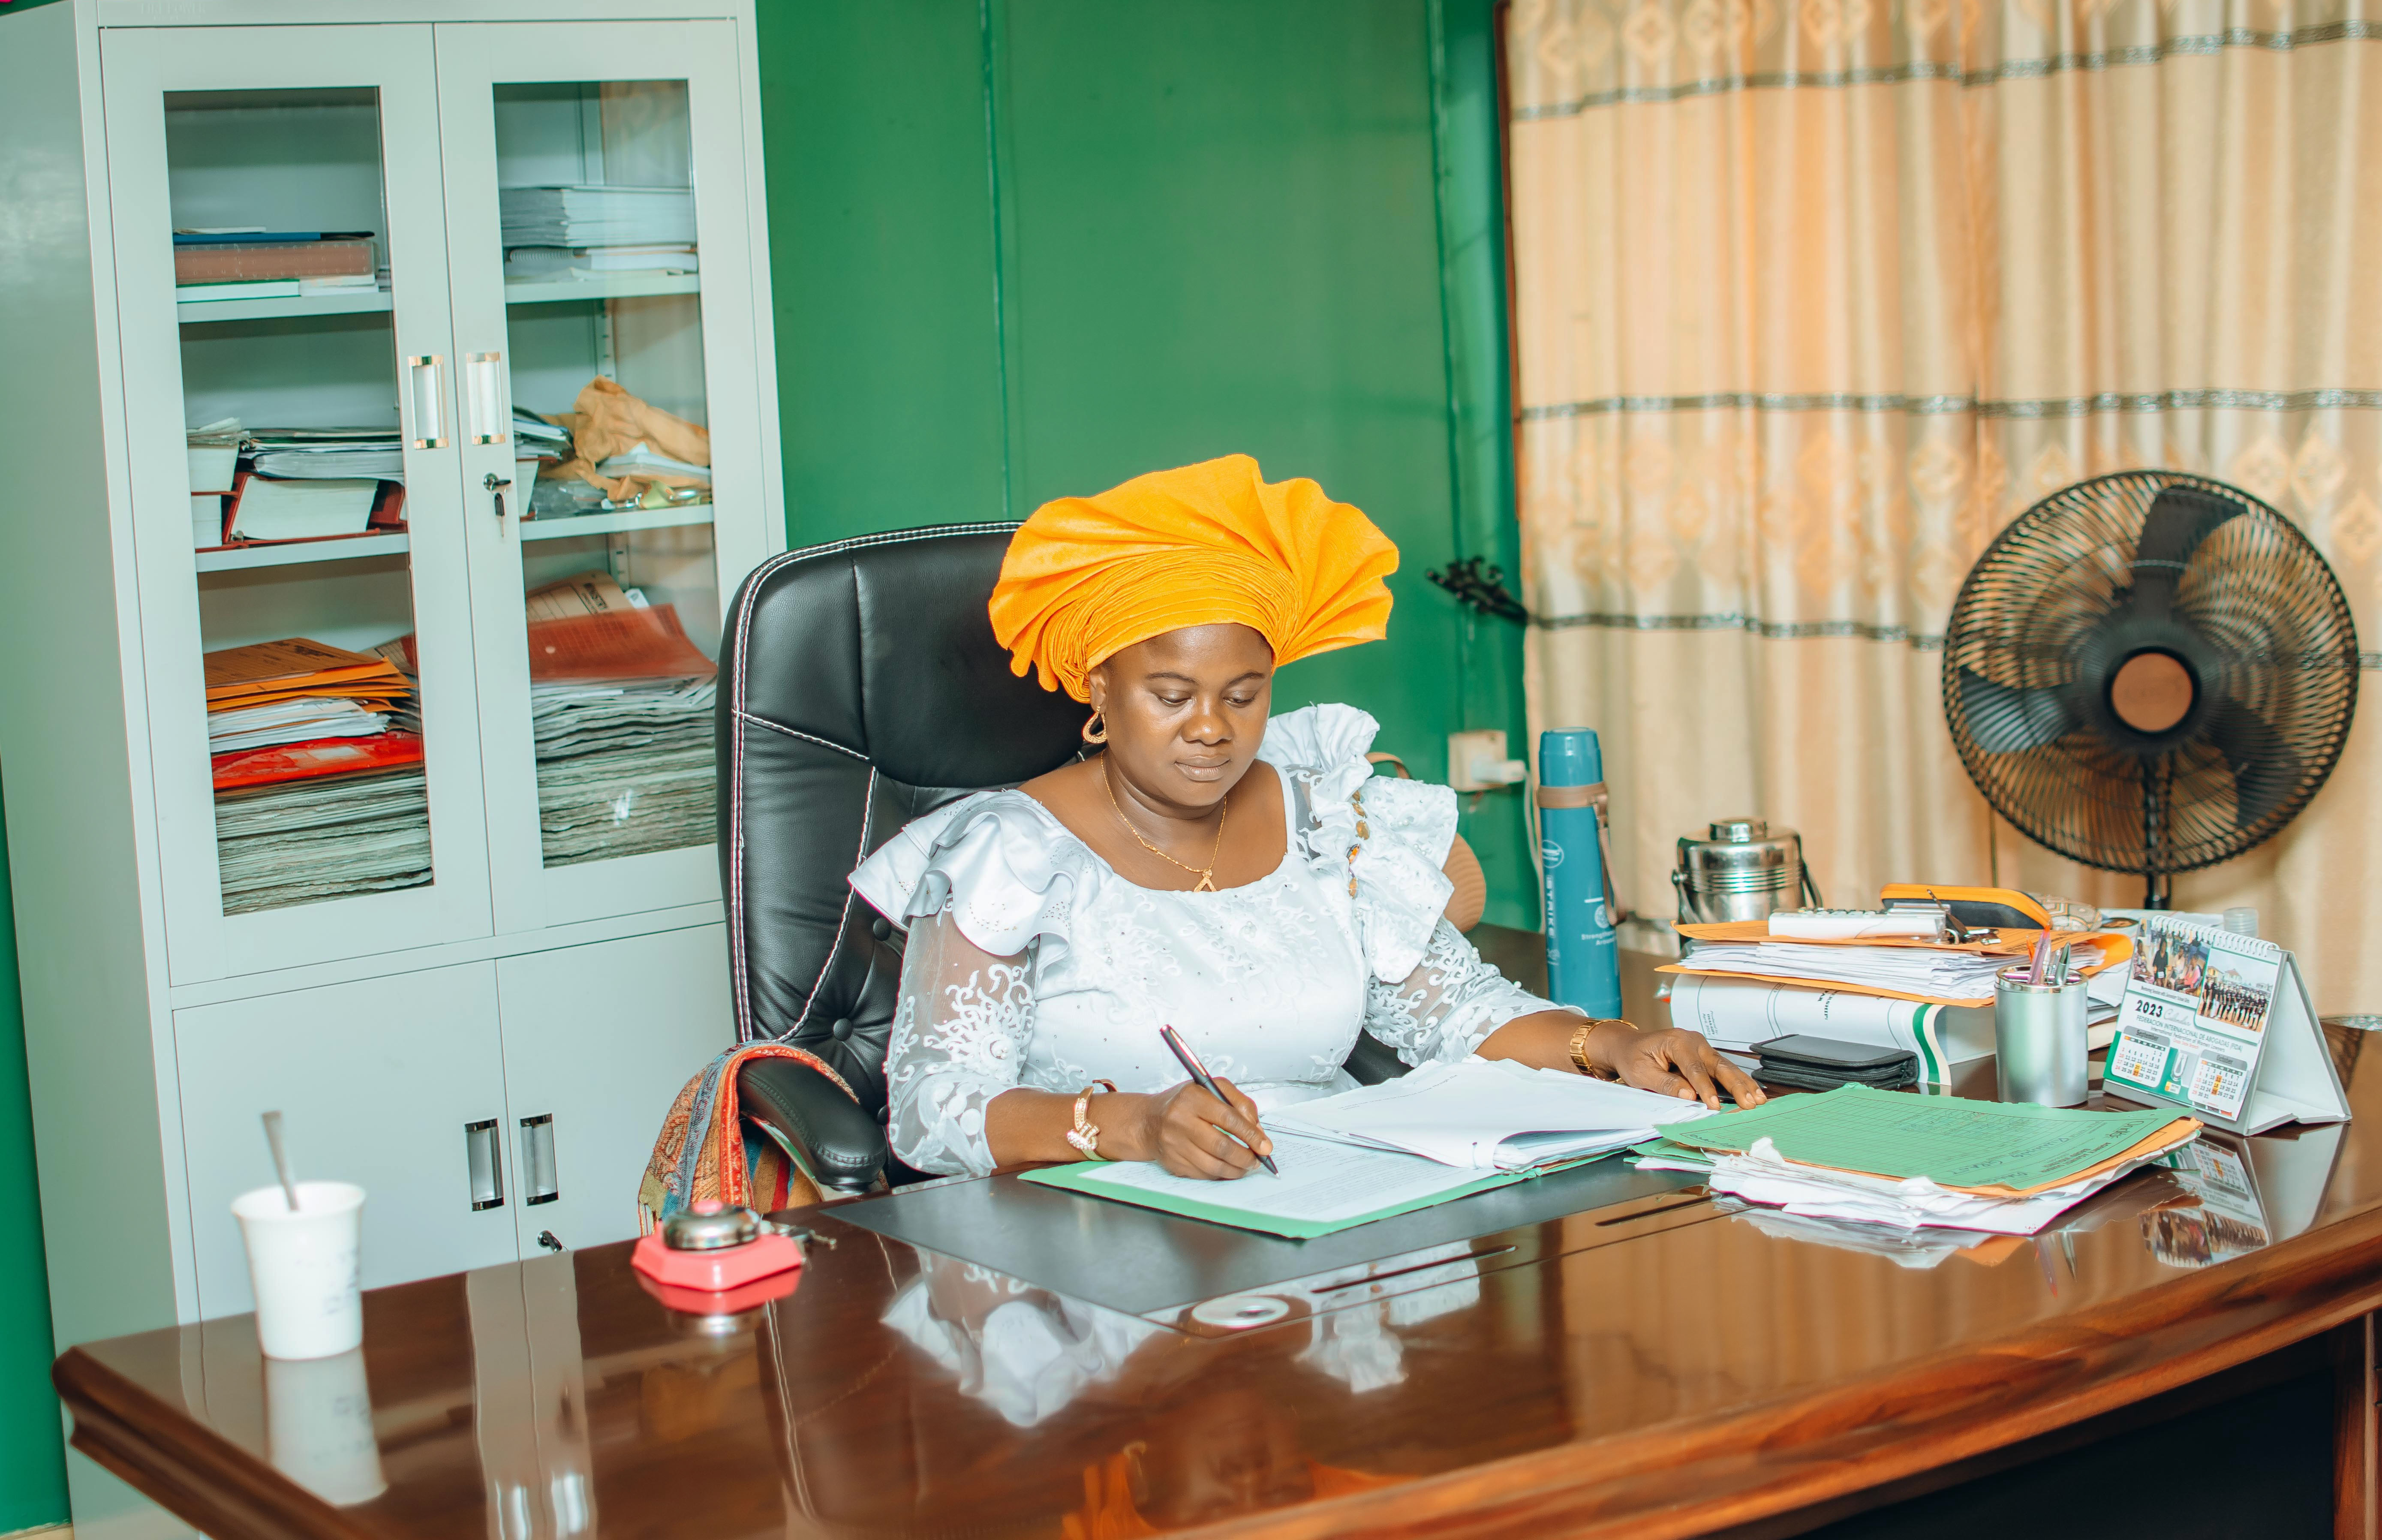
(859, 687)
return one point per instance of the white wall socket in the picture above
(1477, 762)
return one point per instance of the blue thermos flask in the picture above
(1583, 955)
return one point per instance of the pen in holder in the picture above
(2039, 1037)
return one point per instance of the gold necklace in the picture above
(1206, 874)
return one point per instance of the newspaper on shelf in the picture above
(296, 841)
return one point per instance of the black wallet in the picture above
(1823, 1064)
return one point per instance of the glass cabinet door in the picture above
(612, 459)
(288, 364)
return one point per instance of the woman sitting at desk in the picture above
(1242, 880)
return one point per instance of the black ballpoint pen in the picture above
(1206, 1082)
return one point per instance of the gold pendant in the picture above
(1207, 881)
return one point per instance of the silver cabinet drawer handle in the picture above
(481, 1155)
(539, 1183)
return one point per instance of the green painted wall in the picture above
(1028, 247)
(1023, 248)
(32, 1462)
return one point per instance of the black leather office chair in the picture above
(859, 687)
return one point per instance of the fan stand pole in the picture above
(2156, 893)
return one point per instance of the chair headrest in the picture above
(881, 645)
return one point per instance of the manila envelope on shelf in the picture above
(287, 670)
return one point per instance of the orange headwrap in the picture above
(1086, 577)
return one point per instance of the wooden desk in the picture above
(1670, 1371)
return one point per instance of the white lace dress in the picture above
(1030, 962)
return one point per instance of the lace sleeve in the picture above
(958, 1036)
(1453, 1000)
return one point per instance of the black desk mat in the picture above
(1139, 1261)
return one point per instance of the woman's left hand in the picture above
(1675, 1062)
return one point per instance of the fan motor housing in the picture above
(2144, 684)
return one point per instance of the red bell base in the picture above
(734, 1301)
(715, 1272)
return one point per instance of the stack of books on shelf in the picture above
(258, 263)
(621, 703)
(317, 794)
(295, 484)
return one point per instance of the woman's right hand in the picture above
(1192, 1134)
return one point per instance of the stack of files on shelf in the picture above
(327, 452)
(1892, 1158)
(1487, 1115)
(314, 796)
(266, 673)
(564, 261)
(1359, 1157)
(594, 214)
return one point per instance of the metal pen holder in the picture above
(2039, 1039)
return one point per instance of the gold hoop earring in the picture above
(1100, 737)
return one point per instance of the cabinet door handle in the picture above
(539, 1183)
(489, 410)
(426, 386)
(482, 1155)
(496, 486)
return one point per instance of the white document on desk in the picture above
(1321, 1182)
(1488, 1115)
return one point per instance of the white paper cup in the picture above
(318, 1426)
(305, 1268)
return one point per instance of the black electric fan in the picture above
(2150, 673)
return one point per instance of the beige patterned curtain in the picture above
(1815, 296)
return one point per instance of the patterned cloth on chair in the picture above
(707, 1149)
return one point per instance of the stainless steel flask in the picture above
(1744, 870)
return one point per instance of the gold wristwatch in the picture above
(1579, 1046)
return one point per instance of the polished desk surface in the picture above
(1664, 1367)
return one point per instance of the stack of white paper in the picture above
(594, 215)
(546, 261)
(303, 509)
(291, 722)
(1488, 1115)
(1950, 976)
